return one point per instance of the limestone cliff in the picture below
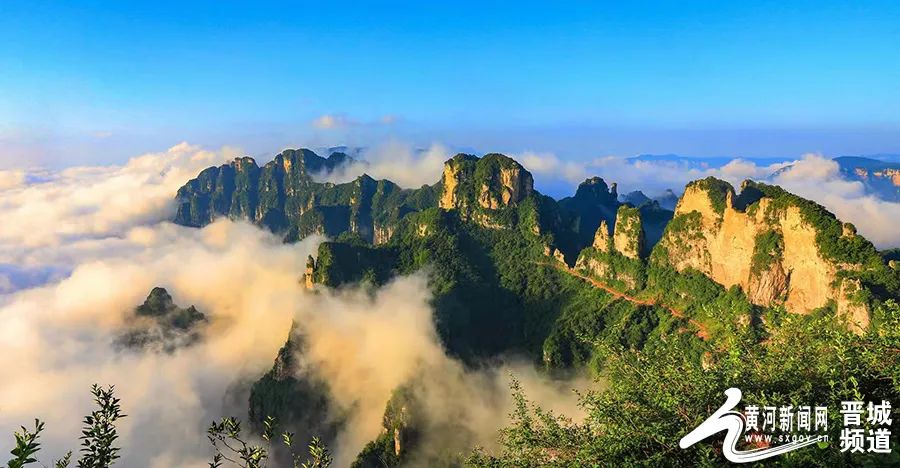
(601, 238)
(779, 248)
(616, 260)
(491, 182)
(628, 238)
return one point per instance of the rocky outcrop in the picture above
(851, 307)
(309, 276)
(601, 238)
(159, 325)
(491, 182)
(383, 234)
(242, 190)
(635, 198)
(616, 260)
(628, 238)
(766, 241)
(667, 200)
(594, 202)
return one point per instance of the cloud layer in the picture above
(86, 245)
(80, 248)
(366, 346)
(398, 162)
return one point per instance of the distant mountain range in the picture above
(879, 173)
(880, 177)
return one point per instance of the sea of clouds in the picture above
(80, 248)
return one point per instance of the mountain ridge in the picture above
(512, 271)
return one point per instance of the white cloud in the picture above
(73, 208)
(11, 179)
(398, 162)
(330, 121)
(818, 179)
(548, 165)
(71, 277)
(242, 277)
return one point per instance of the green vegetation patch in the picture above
(768, 249)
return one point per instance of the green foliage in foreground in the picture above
(230, 445)
(98, 436)
(657, 395)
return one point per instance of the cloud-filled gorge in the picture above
(82, 247)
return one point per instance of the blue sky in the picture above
(100, 81)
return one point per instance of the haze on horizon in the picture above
(97, 84)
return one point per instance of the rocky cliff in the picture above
(491, 182)
(628, 238)
(284, 197)
(779, 248)
(617, 259)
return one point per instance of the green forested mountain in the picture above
(283, 197)
(668, 308)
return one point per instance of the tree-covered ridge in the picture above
(283, 197)
(498, 256)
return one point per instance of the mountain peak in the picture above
(158, 302)
(596, 190)
(490, 182)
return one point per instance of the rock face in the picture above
(159, 325)
(766, 241)
(309, 274)
(283, 197)
(243, 190)
(601, 238)
(628, 238)
(491, 182)
(594, 202)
